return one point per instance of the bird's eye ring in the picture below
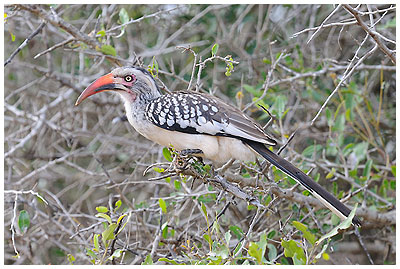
(128, 78)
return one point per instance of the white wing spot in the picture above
(205, 107)
(170, 122)
(202, 120)
(162, 121)
(214, 108)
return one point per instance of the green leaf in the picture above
(279, 105)
(367, 169)
(329, 118)
(177, 185)
(331, 173)
(71, 259)
(307, 234)
(96, 242)
(168, 260)
(117, 205)
(23, 221)
(204, 209)
(339, 123)
(167, 154)
(394, 170)
(272, 252)
(102, 209)
(293, 251)
(214, 49)
(310, 150)
(123, 16)
(158, 169)
(148, 260)
(108, 50)
(360, 150)
(91, 254)
(342, 226)
(207, 238)
(228, 237)
(164, 229)
(117, 253)
(108, 234)
(237, 231)
(154, 67)
(104, 216)
(12, 37)
(256, 252)
(271, 234)
(348, 149)
(101, 33)
(163, 205)
(256, 92)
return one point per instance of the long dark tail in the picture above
(317, 190)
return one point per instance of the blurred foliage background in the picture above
(73, 176)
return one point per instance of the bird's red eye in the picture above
(128, 78)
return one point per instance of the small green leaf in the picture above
(117, 205)
(394, 170)
(214, 49)
(310, 150)
(329, 118)
(279, 105)
(123, 16)
(177, 185)
(331, 173)
(293, 251)
(342, 226)
(163, 205)
(168, 260)
(307, 234)
(204, 209)
(102, 209)
(96, 242)
(23, 221)
(117, 253)
(104, 216)
(148, 260)
(71, 259)
(167, 154)
(207, 238)
(271, 234)
(272, 252)
(367, 169)
(108, 50)
(108, 234)
(158, 169)
(12, 37)
(237, 231)
(154, 67)
(91, 254)
(255, 251)
(101, 33)
(164, 229)
(228, 237)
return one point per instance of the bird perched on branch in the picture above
(199, 124)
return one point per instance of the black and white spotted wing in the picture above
(198, 113)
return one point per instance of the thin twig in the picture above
(26, 41)
(372, 33)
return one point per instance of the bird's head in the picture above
(132, 83)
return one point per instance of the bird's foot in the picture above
(191, 152)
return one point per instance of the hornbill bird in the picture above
(200, 123)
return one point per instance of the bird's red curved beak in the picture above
(104, 83)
